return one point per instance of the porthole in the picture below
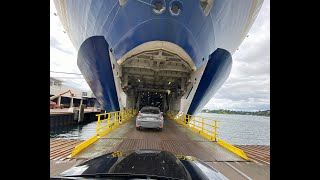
(175, 8)
(159, 6)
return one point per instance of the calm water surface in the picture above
(242, 129)
(81, 131)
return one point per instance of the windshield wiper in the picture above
(100, 175)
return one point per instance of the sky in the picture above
(246, 89)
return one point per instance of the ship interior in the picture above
(155, 78)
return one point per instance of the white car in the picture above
(149, 117)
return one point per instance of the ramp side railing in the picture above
(110, 120)
(207, 127)
(106, 122)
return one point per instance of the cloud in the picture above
(63, 56)
(248, 86)
(56, 44)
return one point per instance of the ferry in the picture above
(172, 54)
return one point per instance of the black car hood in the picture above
(143, 161)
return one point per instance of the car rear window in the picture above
(150, 111)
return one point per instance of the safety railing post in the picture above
(202, 124)
(193, 119)
(109, 120)
(118, 117)
(122, 116)
(215, 130)
(187, 119)
(98, 125)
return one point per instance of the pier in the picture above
(63, 117)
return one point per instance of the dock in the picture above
(63, 117)
(175, 138)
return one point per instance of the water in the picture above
(234, 129)
(242, 129)
(80, 131)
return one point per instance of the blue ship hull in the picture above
(204, 37)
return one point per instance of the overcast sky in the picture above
(246, 89)
(248, 85)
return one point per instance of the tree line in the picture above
(223, 111)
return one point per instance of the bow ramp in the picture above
(182, 134)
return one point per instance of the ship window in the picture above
(175, 8)
(84, 93)
(159, 6)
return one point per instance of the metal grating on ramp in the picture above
(177, 147)
(132, 144)
(219, 152)
(169, 132)
(60, 149)
(257, 152)
(121, 131)
(100, 147)
(199, 152)
(174, 138)
(191, 135)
